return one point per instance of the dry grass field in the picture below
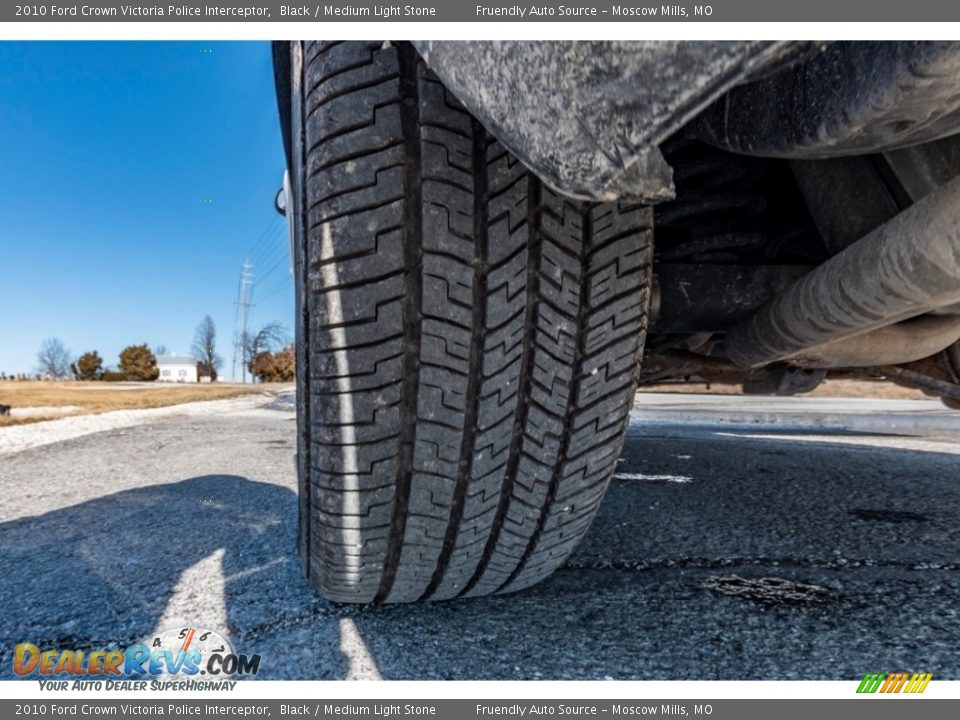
(60, 399)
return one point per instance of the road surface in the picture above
(723, 551)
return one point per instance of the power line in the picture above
(268, 256)
(283, 259)
(284, 282)
(275, 290)
(269, 250)
(258, 245)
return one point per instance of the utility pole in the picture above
(243, 313)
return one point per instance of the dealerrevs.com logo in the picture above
(184, 658)
(887, 683)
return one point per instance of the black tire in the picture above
(470, 340)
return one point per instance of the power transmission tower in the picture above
(243, 313)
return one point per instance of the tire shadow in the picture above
(213, 550)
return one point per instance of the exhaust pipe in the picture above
(908, 266)
(903, 342)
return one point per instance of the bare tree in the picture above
(205, 348)
(262, 341)
(53, 359)
(266, 338)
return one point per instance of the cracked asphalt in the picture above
(719, 553)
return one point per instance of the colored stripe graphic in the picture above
(870, 682)
(921, 683)
(894, 683)
(890, 682)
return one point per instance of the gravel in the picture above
(23, 437)
(43, 411)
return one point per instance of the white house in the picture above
(177, 368)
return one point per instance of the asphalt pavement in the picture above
(724, 550)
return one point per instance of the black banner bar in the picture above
(474, 11)
(875, 708)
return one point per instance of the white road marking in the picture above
(642, 476)
(883, 441)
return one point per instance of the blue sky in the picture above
(134, 179)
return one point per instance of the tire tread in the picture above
(474, 341)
